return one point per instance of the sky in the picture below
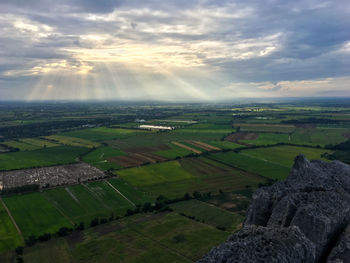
(173, 50)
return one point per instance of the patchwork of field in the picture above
(103, 133)
(302, 136)
(223, 155)
(42, 157)
(72, 141)
(164, 237)
(99, 157)
(47, 211)
(175, 178)
(254, 127)
(50, 176)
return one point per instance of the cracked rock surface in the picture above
(302, 219)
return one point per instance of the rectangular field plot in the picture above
(42, 143)
(319, 136)
(174, 152)
(254, 127)
(155, 174)
(72, 141)
(175, 178)
(188, 237)
(9, 236)
(81, 203)
(253, 165)
(35, 215)
(284, 155)
(99, 157)
(108, 195)
(103, 133)
(134, 195)
(209, 214)
(40, 158)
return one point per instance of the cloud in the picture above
(235, 47)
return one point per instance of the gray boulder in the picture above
(303, 218)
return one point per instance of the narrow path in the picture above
(119, 192)
(12, 219)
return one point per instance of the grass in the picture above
(9, 237)
(134, 195)
(252, 164)
(82, 203)
(98, 157)
(155, 174)
(174, 152)
(72, 141)
(284, 155)
(109, 197)
(40, 158)
(148, 238)
(35, 215)
(209, 214)
(39, 142)
(225, 144)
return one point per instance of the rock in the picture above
(341, 252)
(309, 210)
(262, 244)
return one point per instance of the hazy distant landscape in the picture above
(141, 193)
(207, 131)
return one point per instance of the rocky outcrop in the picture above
(302, 219)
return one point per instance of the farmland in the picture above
(144, 195)
(41, 157)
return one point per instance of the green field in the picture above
(9, 236)
(22, 146)
(175, 178)
(174, 152)
(134, 195)
(153, 238)
(209, 214)
(39, 142)
(98, 157)
(269, 170)
(284, 155)
(155, 174)
(40, 158)
(82, 203)
(35, 215)
(72, 141)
